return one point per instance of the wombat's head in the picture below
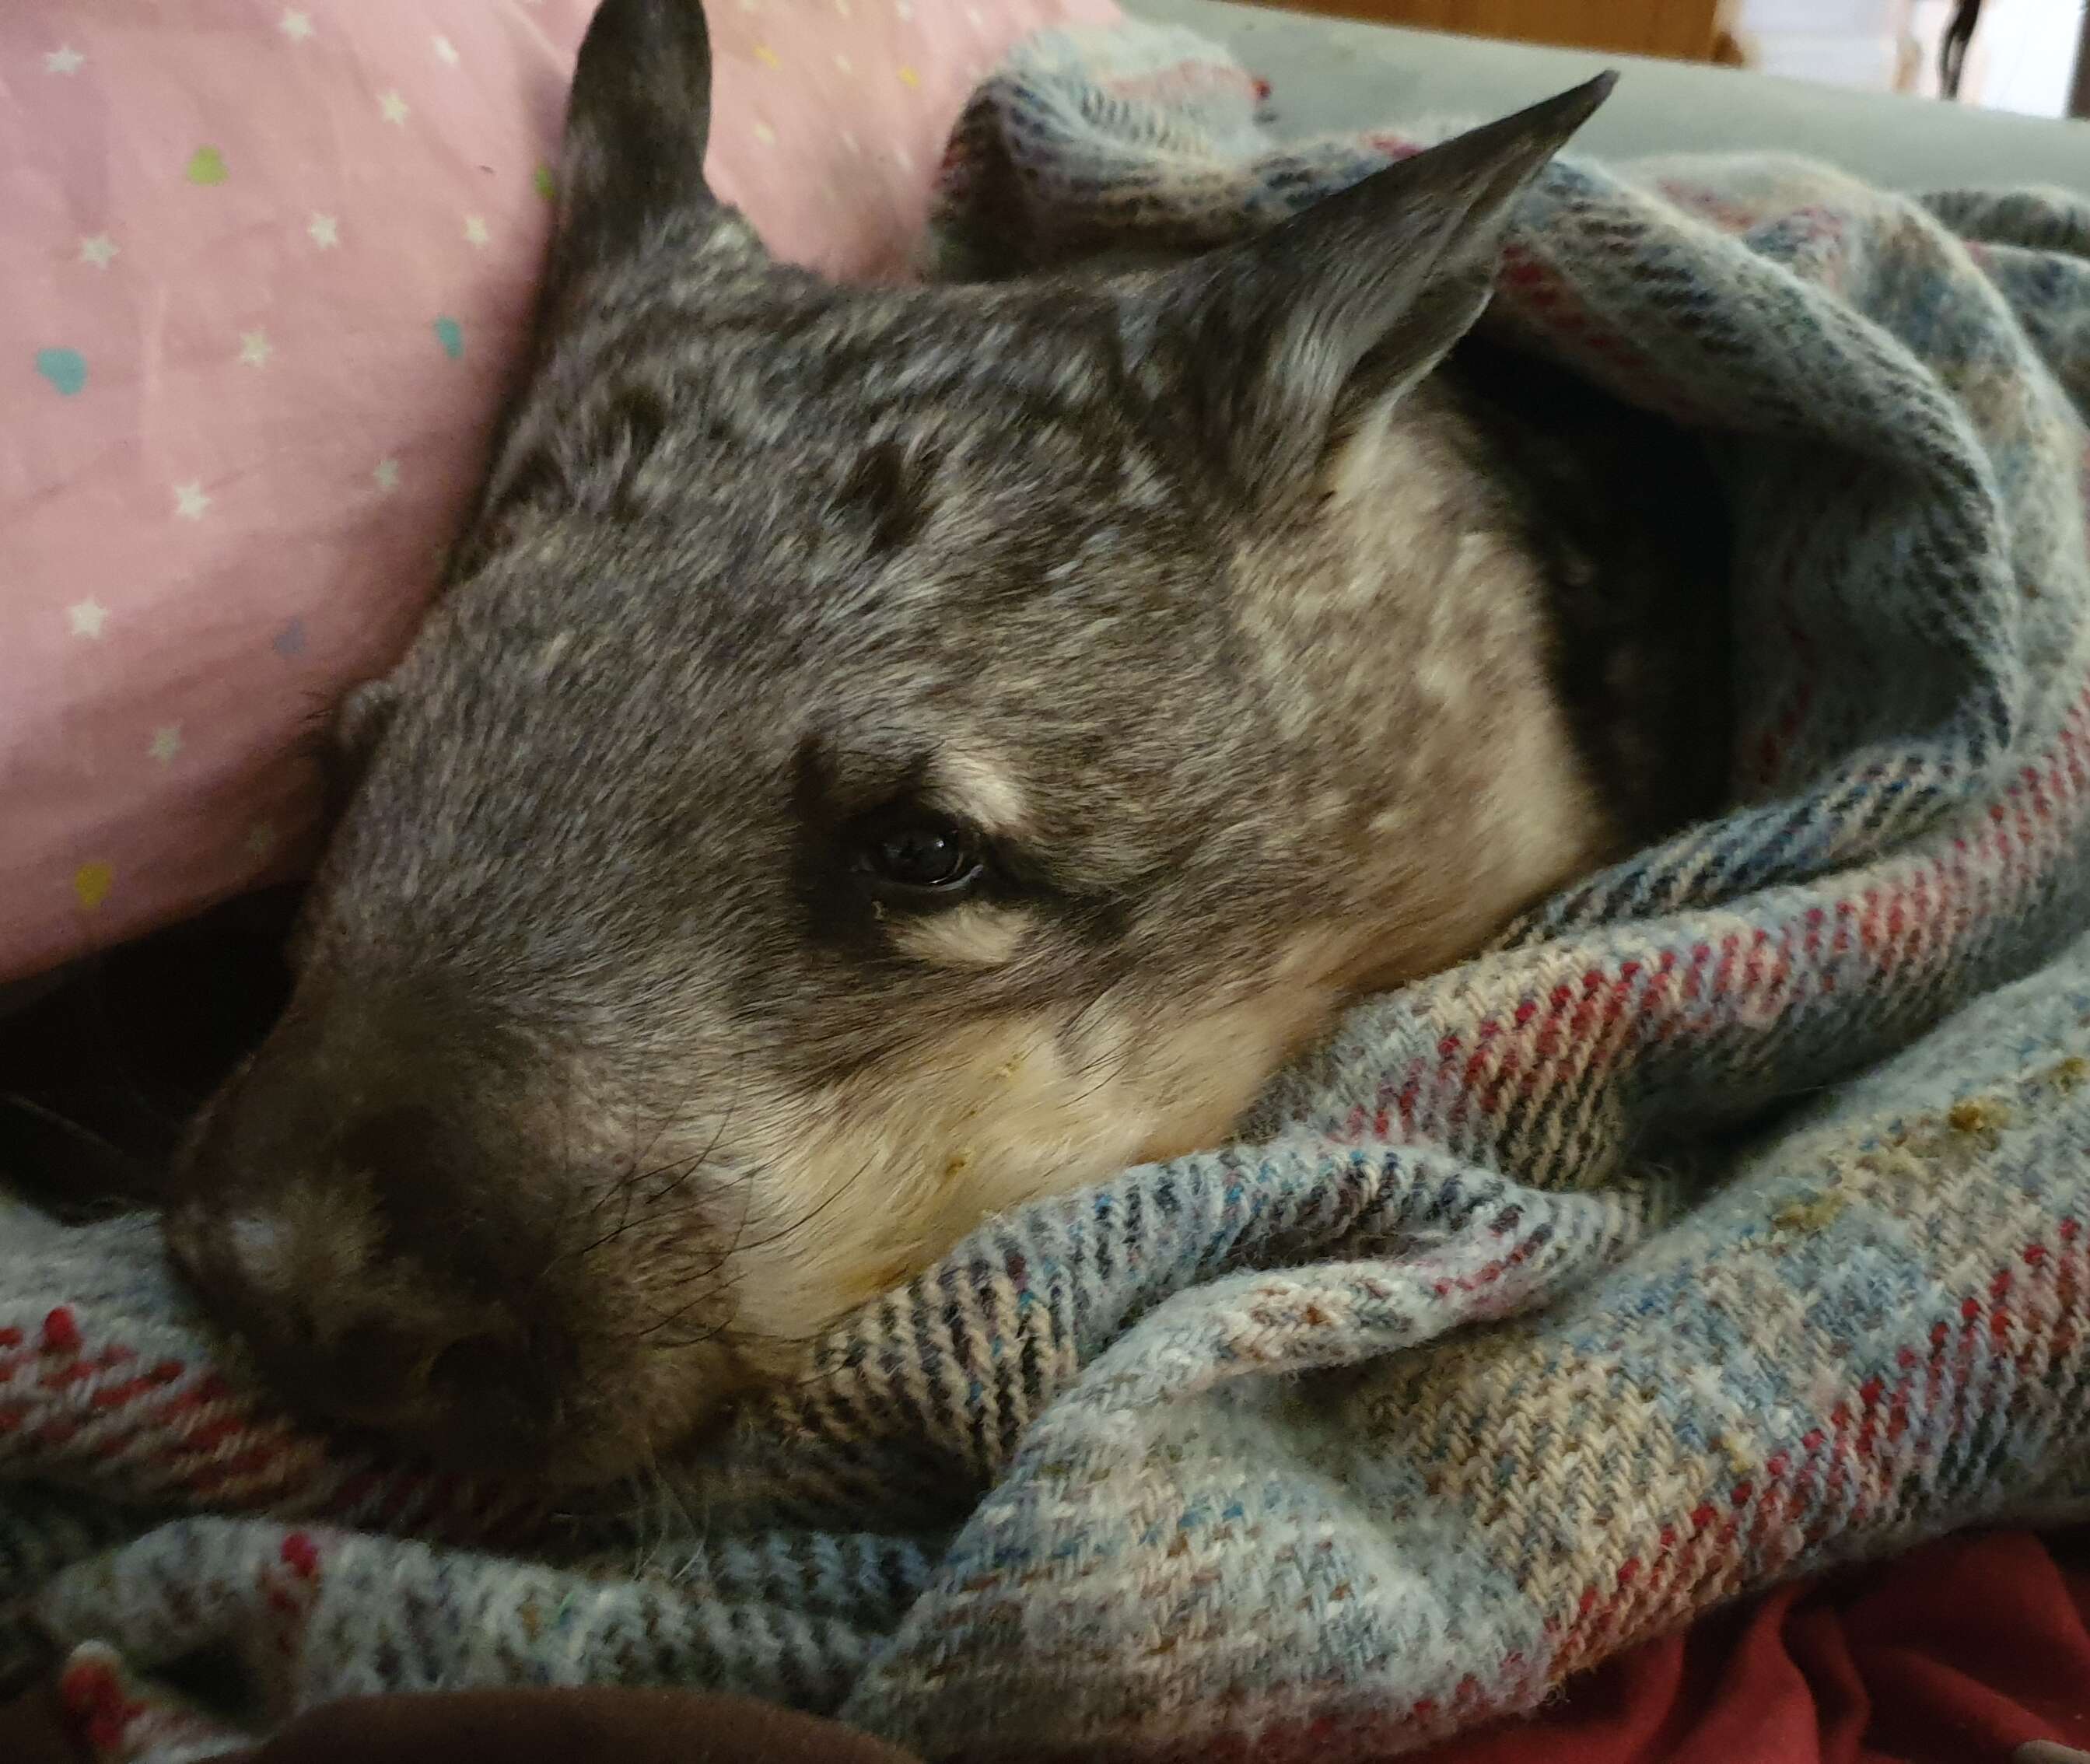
(857, 778)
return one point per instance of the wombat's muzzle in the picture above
(360, 1240)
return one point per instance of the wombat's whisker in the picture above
(710, 1295)
(724, 1121)
(29, 1105)
(806, 1218)
(672, 1176)
(652, 1332)
(116, 1167)
(739, 1244)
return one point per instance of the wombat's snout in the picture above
(371, 1285)
(359, 1207)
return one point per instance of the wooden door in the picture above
(1683, 30)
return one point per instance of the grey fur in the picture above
(758, 556)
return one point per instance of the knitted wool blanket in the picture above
(1726, 1221)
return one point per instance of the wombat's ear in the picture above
(631, 169)
(1300, 329)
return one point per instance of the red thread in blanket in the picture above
(61, 1331)
(93, 1695)
(301, 1555)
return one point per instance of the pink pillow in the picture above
(263, 271)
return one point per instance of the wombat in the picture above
(881, 755)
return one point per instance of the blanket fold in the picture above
(1726, 1220)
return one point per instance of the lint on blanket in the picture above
(1491, 1347)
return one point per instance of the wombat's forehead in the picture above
(875, 503)
(768, 567)
(725, 637)
(780, 362)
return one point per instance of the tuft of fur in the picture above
(1229, 617)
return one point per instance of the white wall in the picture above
(2024, 56)
(1839, 42)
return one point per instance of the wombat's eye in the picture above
(923, 860)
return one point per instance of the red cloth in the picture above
(1956, 1654)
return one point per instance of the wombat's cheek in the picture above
(870, 1184)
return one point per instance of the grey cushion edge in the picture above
(1330, 74)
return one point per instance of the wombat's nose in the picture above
(371, 1293)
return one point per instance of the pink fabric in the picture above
(263, 271)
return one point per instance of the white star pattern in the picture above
(974, 18)
(386, 475)
(295, 24)
(165, 743)
(255, 348)
(189, 501)
(98, 251)
(765, 134)
(64, 59)
(395, 107)
(850, 142)
(904, 10)
(445, 51)
(325, 231)
(475, 230)
(844, 64)
(88, 617)
(260, 839)
(903, 159)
